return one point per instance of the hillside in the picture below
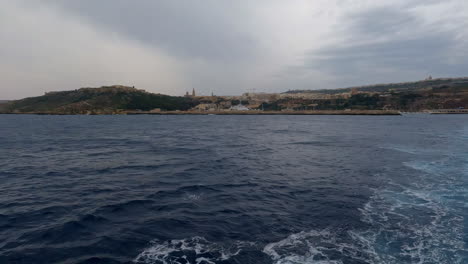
(447, 96)
(103, 100)
(404, 86)
(415, 96)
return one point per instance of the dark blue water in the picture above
(233, 189)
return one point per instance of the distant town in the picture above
(435, 95)
(428, 94)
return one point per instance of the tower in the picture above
(193, 92)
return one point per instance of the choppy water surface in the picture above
(233, 189)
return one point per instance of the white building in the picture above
(239, 107)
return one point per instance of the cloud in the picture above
(388, 43)
(43, 50)
(228, 47)
(183, 28)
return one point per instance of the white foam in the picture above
(196, 250)
(204, 261)
(416, 222)
(413, 221)
(192, 197)
(321, 247)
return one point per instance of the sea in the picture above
(233, 189)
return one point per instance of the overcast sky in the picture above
(225, 46)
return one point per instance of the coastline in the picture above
(254, 112)
(316, 112)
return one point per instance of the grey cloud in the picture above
(377, 50)
(423, 52)
(419, 3)
(227, 46)
(204, 29)
(381, 21)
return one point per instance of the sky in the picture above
(227, 47)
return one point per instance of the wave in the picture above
(321, 247)
(416, 221)
(449, 167)
(404, 225)
(405, 149)
(193, 250)
(312, 142)
(418, 217)
(423, 220)
(412, 226)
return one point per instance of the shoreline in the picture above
(316, 112)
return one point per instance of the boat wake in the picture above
(322, 247)
(194, 250)
(421, 222)
(418, 218)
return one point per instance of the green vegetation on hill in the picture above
(104, 100)
(405, 86)
(443, 97)
(417, 96)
